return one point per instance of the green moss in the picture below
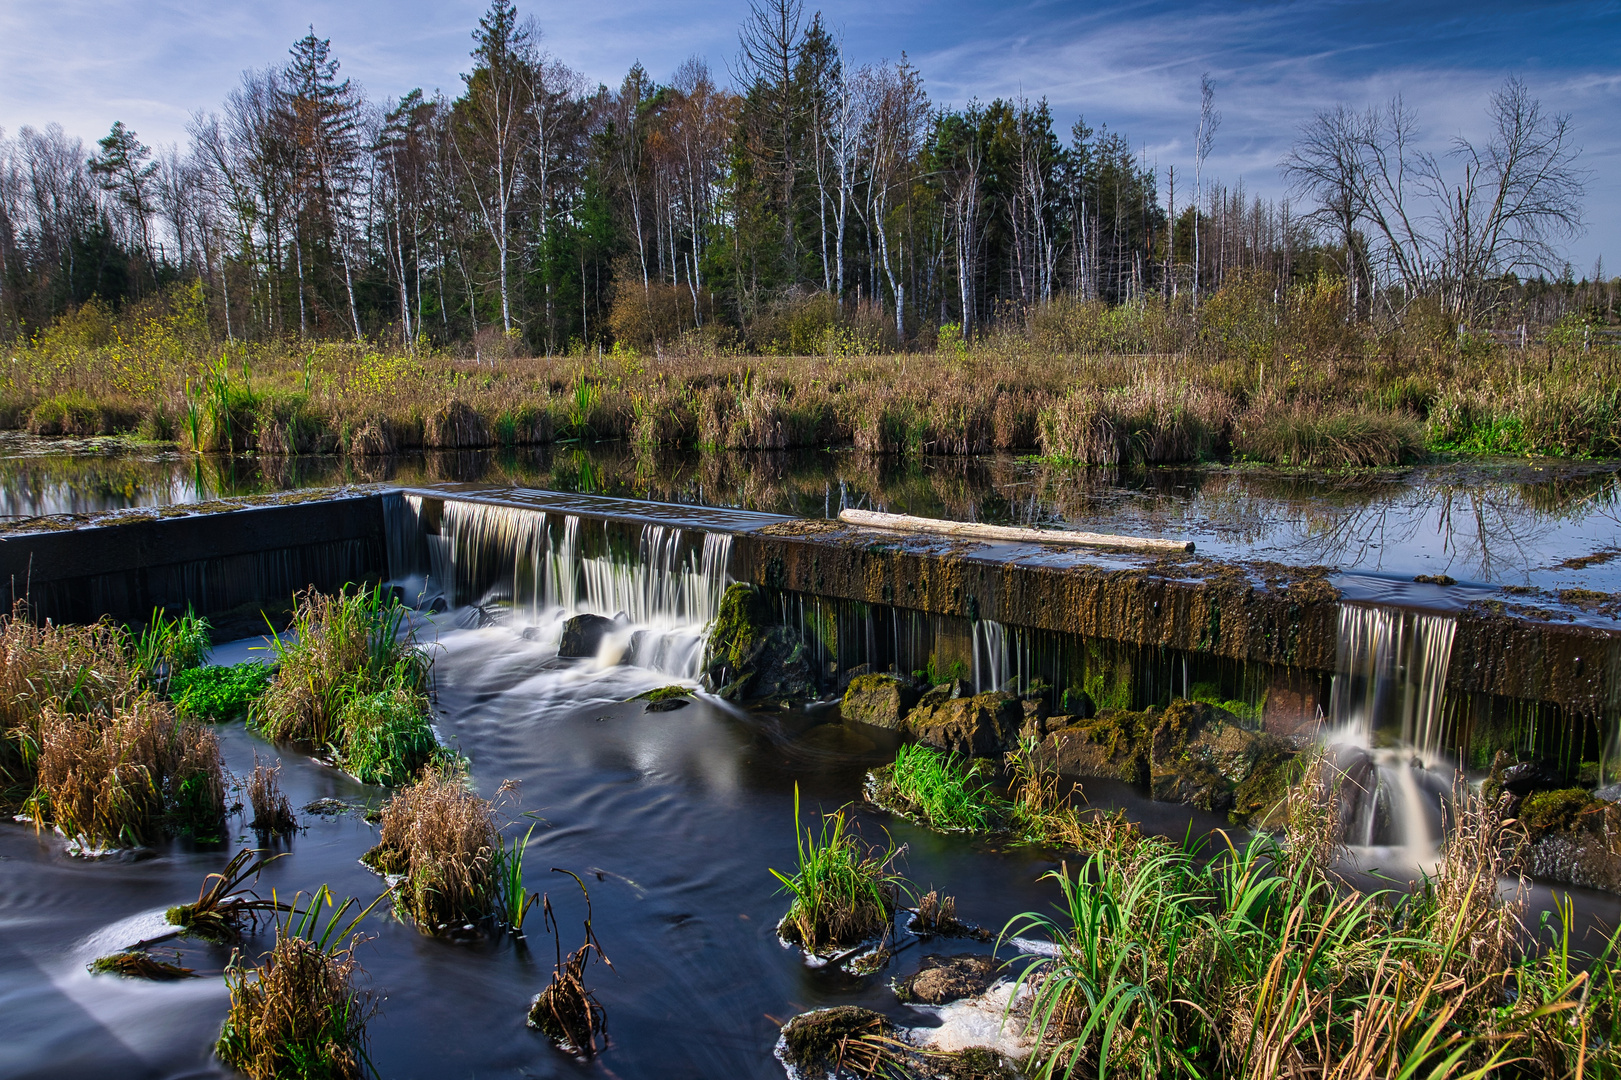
(737, 628)
(817, 1042)
(1210, 694)
(1266, 786)
(1107, 681)
(1545, 812)
(664, 693)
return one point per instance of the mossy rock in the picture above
(665, 698)
(812, 1042)
(980, 726)
(739, 625)
(1565, 810)
(971, 1063)
(880, 700)
(1258, 800)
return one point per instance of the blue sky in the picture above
(1132, 66)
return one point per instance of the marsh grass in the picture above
(1255, 961)
(298, 1013)
(844, 892)
(352, 679)
(272, 813)
(128, 778)
(945, 791)
(566, 1010)
(439, 837)
(166, 647)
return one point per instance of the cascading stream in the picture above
(537, 570)
(1385, 728)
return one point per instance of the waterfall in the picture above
(661, 584)
(1386, 725)
(990, 656)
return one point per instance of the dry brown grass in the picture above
(271, 811)
(440, 837)
(130, 777)
(297, 1014)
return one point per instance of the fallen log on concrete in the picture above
(969, 530)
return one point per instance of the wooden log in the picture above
(969, 530)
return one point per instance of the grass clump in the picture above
(439, 837)
(1328, 438)
(1260, 963)
(272, 813)
(945, 791)
(128, 778)
(352, 680)
(226, 903)
(218, 693)
(387, 737)
(843, 891)
(298, 1013)
(169, 647)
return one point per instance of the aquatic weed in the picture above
(218, 693)
(566, 1010)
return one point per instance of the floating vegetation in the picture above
(566, 1011)
(271, 811)
(1175, 964)
(844, 892)
(439, 839)
(226, 903)
(140, 964)
(219, 693)
(353, 680)
(298, 1014)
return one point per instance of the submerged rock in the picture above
(880, 700)
(947, 978)
(980, 726)
(582, 635)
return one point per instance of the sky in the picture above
(1133, 66)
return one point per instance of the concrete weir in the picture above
(860, 596)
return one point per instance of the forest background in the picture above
(819, 256)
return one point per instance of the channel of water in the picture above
(672, 819)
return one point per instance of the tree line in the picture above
(534, 210)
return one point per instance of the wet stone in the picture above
(582, 635)
(880, 700)
(979, 726)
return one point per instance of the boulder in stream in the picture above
(980, 726)
(753, 662)
(582, 635)
(880, 700)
